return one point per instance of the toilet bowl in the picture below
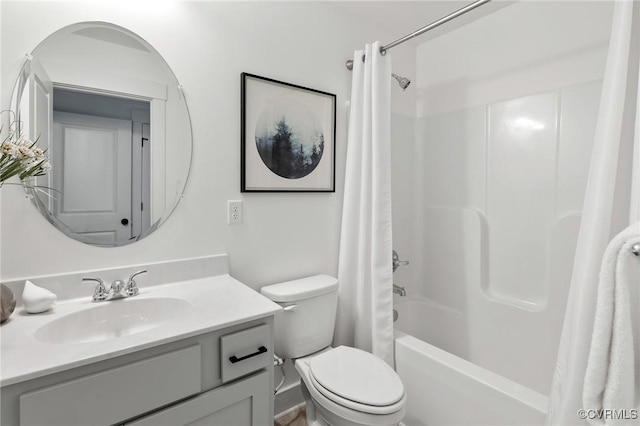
(348, 386)
(342, 386)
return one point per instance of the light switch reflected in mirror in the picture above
(113, 119)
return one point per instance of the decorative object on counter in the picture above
(288, 137)
(37, 299)
(20, 156)
(7, 303)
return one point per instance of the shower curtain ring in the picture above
(349, 63)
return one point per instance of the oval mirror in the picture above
(115, 125)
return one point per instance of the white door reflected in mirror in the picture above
(95, 182)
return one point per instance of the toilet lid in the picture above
(358, 376)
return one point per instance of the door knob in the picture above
(124, 221)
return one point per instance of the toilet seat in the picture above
(355, 406)
(357, 380)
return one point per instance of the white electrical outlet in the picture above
(234, 212)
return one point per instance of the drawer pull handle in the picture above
(235, 359)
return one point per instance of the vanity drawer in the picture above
(245, 351)
(119, 393)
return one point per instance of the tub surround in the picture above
(216, 301)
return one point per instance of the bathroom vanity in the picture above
(206, 359)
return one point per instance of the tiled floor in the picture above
(294, 418)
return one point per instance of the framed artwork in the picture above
(288, 137)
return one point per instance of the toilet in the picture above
(342, 386)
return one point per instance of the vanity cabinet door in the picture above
(115, 394)
(244, 402)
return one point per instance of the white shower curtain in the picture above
(611, 203)
(365, 303)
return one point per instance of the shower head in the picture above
(402, 81)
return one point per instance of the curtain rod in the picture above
(416, 33)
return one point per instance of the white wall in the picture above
(208, 45)
(507, 109)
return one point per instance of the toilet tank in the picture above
(306, 323)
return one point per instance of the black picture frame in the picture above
(288, 137)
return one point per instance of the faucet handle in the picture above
(396, 262)
(132, 288)
(100, 293)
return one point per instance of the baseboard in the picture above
(287, 399)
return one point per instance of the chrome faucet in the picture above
(115, 292)
(400, 291)
(100, 293)
(118, 290)
(131, 289)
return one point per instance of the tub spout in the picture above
(400, 291)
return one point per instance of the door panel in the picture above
(95, 180)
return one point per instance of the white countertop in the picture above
(216, 302)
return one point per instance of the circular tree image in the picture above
(289, 139)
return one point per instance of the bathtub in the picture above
(446, 389)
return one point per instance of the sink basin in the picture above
(110, 320)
